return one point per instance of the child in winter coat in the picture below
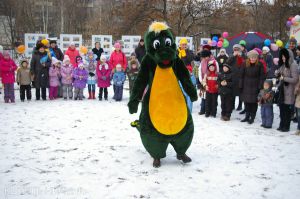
(54, 75)
(24, 79)
(118, 79)
(92, 65)
(265, 99)
(211, 87)
(225, 86)
(103, 75)
(7, 70)
(132, 72)
(67, 78)
(80, 75)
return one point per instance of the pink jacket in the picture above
(8, 68)
(117, 58)
(72, 53)
(66, 74)
(54, 74)
(103, 75)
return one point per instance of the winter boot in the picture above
(246, 119)
(252, 118)
(239, 108)
(184, 158)
(93, 95)
(156, 163)
(90, 95)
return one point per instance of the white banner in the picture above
(105, 42)
(30, 42)
(130, 43)
(67, 39)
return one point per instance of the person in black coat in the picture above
(140, 51)
(235, 61)
(56, 51)
(225, 85)
(39, 67)
(97, 50)
(251, 82)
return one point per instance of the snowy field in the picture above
(87, 150)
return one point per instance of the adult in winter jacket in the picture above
(140, 51)
(268, 59)
(185, 54)
(40, 64)
(117, 57)
(225, 87)
(288, 73)
(251, 81)
(98, 50)
(235, 62)
(55, 51)
(8, 68)
(72, 52)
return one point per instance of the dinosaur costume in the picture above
(165, 118)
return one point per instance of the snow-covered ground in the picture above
(87, 150)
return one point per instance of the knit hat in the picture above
(208, 47)
(227, 65)
(205, 53)
(252, 53)
(55, 61)
(237, 46)
(183, 41)
(117, 45)
(211, 63)
(293, 40)
(23, 60)
(39, 46)
(133, 54)
(270, 82)
(103, 57)
(66, 58)
(72, 44)
(80, 64)
(259, 51)
(53, 42)
(266, 48)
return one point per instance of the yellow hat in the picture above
(45, 42)
(183, 41)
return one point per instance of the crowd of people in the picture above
(254, 78)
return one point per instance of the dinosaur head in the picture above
(160, 44)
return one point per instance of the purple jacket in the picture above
(103, 75)
(80, 77)
(54, 74)
(66, 72)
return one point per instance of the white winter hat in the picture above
(55, 61)
(66, 58)
(266, 48)
(103, 57)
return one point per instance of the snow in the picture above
(87, 149)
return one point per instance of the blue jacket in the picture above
(119, 78)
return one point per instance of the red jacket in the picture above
(264, 64)
(72, 53)
(117, 58)
(211, 82)
(8, 68)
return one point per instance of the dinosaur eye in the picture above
(156, 44)
(168, 42)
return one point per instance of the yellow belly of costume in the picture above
(167, 106)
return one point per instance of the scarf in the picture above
(181, 53)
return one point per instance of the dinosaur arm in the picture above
(185, 79)
(140, 84)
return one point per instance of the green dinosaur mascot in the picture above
(165, 118)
